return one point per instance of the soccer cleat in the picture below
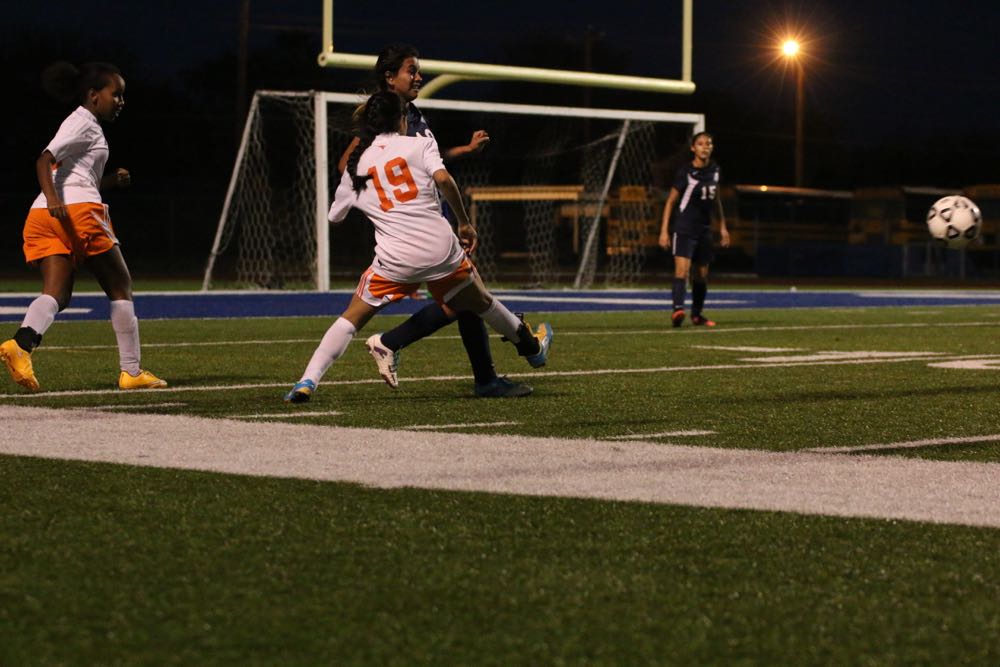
(144, 380)
(677, 318)
(301, 392)
(387, 360)
(700, 321)
(18, 363)
(501, 387)
(544, 336)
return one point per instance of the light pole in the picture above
(791, 51)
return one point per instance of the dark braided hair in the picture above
(382, 113)
(67, 84)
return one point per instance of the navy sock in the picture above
(27, 339)
(423, 323)
(680, 286)
(698, 291)
(476, 340)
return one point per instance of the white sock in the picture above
(333, 345)
(126, 326)
(41, 313)
(501, 319)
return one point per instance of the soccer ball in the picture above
(955, 219)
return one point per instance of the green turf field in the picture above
(114, 564)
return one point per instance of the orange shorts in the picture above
(376, 290)
(87, 233)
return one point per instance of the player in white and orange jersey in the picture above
(394, 179)
(69, 225)
(397, 69)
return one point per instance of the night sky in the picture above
(898, 92)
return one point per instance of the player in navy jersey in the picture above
(398, 70)
(695, 193)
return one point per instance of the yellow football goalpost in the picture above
(453, 71)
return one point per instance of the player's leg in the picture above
(475, 339)
(473, 297)
(331, 347)
(683, 248)
(372, 294)
(113, 276)
(699, 281)
(57, 289)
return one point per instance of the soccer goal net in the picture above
(560, 195)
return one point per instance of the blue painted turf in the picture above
(304, 304)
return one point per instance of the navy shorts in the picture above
(696, 248)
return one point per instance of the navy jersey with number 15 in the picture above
(698, 188)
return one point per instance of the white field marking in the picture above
(665, 434)
(970, 364)
(613, 301)
(433, 427)
(923, 312)
(534, 374)
(934, 294)
(561, 333)
(858, 354)
(288, 415)
(137, 406)
(745, 348)
(910, 444)
(888, 487)
(21, 310)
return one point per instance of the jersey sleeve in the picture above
(343, 199)
(432, 156)
(70, 139)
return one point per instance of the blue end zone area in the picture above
(177, 305)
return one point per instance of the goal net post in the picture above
(560, 195)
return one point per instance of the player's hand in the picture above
(724, 240)
(665, 240)
(57, 209)
(468, 237)
(479, 140)
(122, 178)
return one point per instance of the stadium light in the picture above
(792, 51)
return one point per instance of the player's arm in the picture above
(466, 232)
(343, 199)
(479, 140)
(721, 215)
(665, 225)
(342, 163)
(119, 178)
(43, 171)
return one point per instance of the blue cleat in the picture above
(301, 392)
(544, 335)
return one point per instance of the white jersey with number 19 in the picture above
(413, 241)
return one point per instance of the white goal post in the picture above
(273, 229)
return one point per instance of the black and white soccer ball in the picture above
(954, 219)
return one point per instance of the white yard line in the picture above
(745, 348)
(137, 406)
(434, 427)
(533, 374)
(289, 415)
(561, 334)
(807, 483)
(664, 434)
(909, 444)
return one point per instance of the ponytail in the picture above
(67, 84)
(382, 113)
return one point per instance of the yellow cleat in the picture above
(144, 380)
(18, 362)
